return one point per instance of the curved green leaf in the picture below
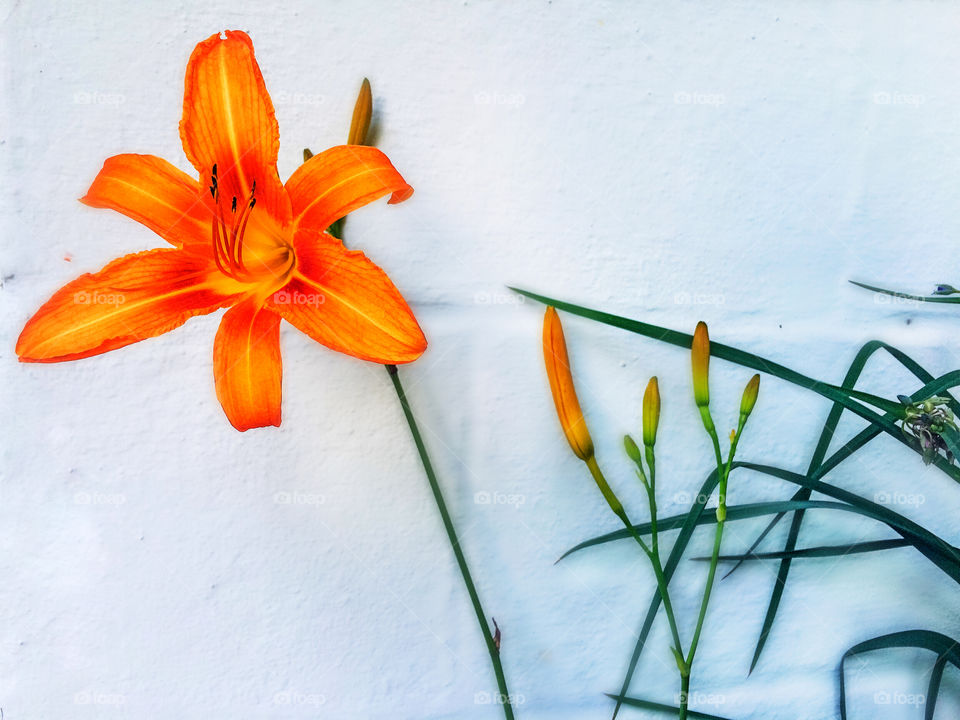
(946, 648)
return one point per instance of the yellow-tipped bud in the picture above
(750, 393)
(700, 355)
(561, 386)
(633, 452)
(362, 112)
(651, 412)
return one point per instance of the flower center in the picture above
(247, 251)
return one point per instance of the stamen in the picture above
(244, 215)
(228, 240)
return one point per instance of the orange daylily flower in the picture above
(242, 240)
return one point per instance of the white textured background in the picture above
(667, 163)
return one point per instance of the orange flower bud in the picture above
(561, 386)
(700, 354)
(750, 393)
(362, 112)
(651, 412)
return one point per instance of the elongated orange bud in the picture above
(700, 355)
(561, 386)
(362, 112)
(651, 412)
(750, 393)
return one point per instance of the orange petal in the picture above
(338, 181)
(344, 301)
(228, 121)
(131, 299)
(247, 365)
(153, 192)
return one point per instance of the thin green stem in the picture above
(684, 695)
(618, 510)
(454, 544)
(652, 497)
(723, 472)
(706, 593)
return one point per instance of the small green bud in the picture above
(721, 513)
(633, 452)
(750, 393)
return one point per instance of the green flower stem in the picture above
(654, 557)
(454, 544)
(652, 497)
(723, 472)
(718, 535)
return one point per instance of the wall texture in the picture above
(667, 163)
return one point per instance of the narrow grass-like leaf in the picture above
(933, 688)
(941, 553)
(793, 534)
(660, 707)
(946, 648)
(918, 298)
(734, 513)
(821, 551)
(944, 555)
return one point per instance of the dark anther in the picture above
(214, 169)
(233, 205)
(253, 201)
